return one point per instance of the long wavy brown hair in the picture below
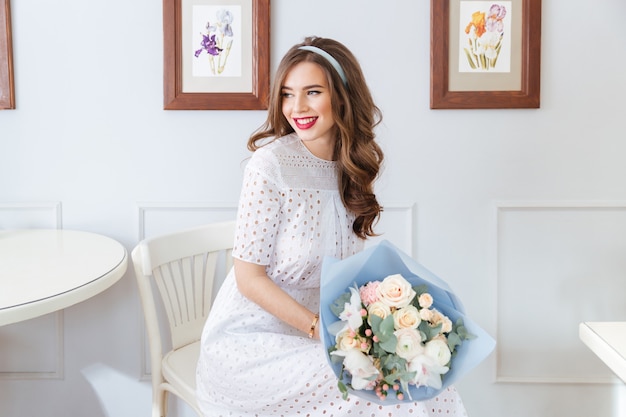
(358, 156)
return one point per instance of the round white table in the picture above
(42, 271)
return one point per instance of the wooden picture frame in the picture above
(222, 64)
(454, 87)
(7, 92)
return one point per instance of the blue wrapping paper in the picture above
(376, 263)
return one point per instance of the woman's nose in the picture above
(300, 104)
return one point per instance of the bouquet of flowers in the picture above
(389, 336)
(390, 326)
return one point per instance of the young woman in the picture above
(307, 193)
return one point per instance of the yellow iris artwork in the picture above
(484, 35)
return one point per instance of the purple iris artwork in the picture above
(217, 41)
(209, 45)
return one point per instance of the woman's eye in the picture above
(286, 95)
(313, 92)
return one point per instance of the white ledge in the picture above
(608, 341)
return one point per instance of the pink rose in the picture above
(368, 292)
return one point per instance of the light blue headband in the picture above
(330, 59)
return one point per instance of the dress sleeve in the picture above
(259, 210)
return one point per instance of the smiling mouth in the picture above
(305, 122)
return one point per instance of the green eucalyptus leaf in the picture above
(429, 331)
(383, 329)
(453, 341)
(378, 350)
(394, 361)
(386, 327)
(375, 323)
(339, 304)
(461, 330)
(389, 345)
(399, 377)
(422, 334)
(420, 289)
(343, 389)
(390, 379)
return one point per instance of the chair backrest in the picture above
(183, 266)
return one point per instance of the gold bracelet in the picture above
(313, 325)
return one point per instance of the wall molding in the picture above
(51, 213)
(585, 210)
(59, 357)
(36, 215)
(404, 214)
(178, 208)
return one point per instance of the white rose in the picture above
(347, 340)
(447, 325)
(438, 349)
(407, 317)
(439, 318)
(426, 314)
(395, 291)
(425, 300)
(378, 309)
(409, 343)
(361, 367)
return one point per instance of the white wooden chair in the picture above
(183, 265)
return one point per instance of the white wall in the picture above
(522, 211)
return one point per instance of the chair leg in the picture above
(159, 403)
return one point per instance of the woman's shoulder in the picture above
(268, 160)
(285, 144)
(277, 150)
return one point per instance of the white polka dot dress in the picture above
(251, 364)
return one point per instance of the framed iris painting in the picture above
(485, 54)
(7, 95)
(216, 54)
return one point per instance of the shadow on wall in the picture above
(119, 395)
(122, 396)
